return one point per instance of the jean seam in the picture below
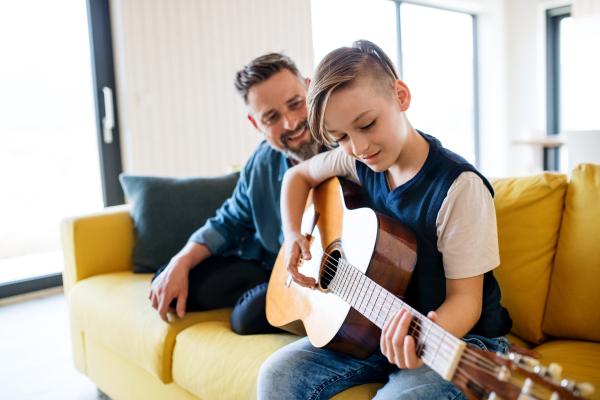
(480, 345)
(337, 378)
(460, 392)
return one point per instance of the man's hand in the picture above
(396, 343)
(173, 282)
(296, 245)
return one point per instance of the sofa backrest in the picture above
(573, 309)
(529, 212)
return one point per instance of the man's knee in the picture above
(249, 316)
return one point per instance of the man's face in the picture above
(279, 111)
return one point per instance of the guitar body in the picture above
(380, 247)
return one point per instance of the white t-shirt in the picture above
(466, 223)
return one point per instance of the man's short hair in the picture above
(261, 69)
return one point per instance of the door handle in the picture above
(108, 121)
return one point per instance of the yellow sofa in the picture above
(549, 233)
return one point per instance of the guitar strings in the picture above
(488, 364)
(468, 359)
(345, 280)
(413, 327)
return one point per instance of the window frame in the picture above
(554, 16)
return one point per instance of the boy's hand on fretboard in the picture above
(396, 342)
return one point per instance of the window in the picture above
(50, 163)
(434, 53)
(558, 30)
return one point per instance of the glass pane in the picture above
(337, 23)
(49, 165)
(437, 61)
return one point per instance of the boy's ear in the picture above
(402, 94)
(307, 83)
(251, 119)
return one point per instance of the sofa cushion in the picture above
(580, 360)
(166, 211)
(529, 211)
(114, 310)
(574, 300)
(214, 363)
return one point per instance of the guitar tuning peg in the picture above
(540, 370)
(527, 386)
(567, 384)
(514, 357)
(585, 389)
(530, 362)
(555, 371)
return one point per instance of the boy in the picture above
(357, 101)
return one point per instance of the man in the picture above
(232, 254)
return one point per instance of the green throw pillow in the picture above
(166, 211)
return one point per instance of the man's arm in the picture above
(173, 282)
(233, 221)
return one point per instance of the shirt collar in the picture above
(285, 165)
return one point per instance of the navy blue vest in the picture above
(417, 203)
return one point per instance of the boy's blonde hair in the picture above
(340, 69)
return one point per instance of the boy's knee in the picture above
(268, 378)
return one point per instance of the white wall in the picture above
(526, 28)
(176, 60)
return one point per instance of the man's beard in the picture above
(305, 151)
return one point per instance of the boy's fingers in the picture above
(410, 355)
(305, 248)
(388, 336)
(398, 339)
(432, 315)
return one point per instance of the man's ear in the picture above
(251, 119)
(402, 94)
(307, 83)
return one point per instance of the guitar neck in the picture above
(438, 349)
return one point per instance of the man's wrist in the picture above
(191, 255)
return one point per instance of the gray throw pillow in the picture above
(166, 211)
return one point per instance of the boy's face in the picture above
(368, 124)
(279, 111)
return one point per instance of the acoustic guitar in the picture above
(362, 262)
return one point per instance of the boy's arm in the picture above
(461, 310)
(296, 186)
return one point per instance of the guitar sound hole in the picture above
(329, 268)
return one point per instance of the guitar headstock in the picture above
(487, 375)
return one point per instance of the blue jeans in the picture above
(304, 372)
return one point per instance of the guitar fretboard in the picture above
(438, 349)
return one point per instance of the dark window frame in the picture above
(476, 121)
(554, 16)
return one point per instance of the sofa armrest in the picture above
(95, 244)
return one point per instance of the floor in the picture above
(35, 353)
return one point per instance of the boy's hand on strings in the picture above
(397, 344)
(297, 247)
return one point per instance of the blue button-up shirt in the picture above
(248, 224)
